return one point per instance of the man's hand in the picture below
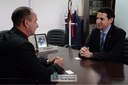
(51, 60)
(59, 61)
(84, 51)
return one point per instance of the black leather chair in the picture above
(126, 51)
(56, 37)
(2, 34)
(126, 47)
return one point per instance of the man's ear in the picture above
(111, 20)
(26, 23)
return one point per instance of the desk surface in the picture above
(92, 72)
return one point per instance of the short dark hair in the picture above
(110, 13)
(20, 14)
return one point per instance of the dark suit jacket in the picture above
(113, 46)
(18, 59)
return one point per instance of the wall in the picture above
(121, 12)
(51, 13)
(6, 8)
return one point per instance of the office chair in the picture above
(2, 34)
(126, 47)
(3, 31)
(56, 37)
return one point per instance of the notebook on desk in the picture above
(42, 44)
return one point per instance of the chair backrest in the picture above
(2, 34)
(56, 37)
(126, 47)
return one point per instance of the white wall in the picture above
(6, 8)
(51, 13)
(121, 13)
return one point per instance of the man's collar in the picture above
(19, 32)
(106, 31)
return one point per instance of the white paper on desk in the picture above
(69, 72)
(77, 58)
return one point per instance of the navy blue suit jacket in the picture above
(113, 46)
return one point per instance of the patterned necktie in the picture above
(102, 40)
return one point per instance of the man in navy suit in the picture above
(18, 60)
(111, 45)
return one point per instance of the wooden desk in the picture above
(92, 72)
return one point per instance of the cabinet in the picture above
(95, 5)
(91, 8)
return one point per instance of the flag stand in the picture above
(70, 38)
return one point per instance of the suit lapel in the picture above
(97, 40)
(108, 39)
